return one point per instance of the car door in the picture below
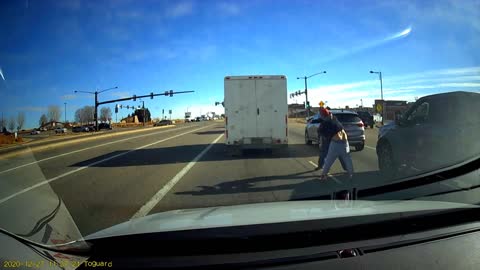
(414, 137)
(313, 128)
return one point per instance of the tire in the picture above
(386, 161)
(307, 140)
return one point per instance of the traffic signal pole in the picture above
(306, 98)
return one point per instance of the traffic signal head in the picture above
(134, 97)
(151, 95)
(171, 93)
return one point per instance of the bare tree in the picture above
(78, 116)
(20, 120)
(54, 113)
(43, 120)
(11, 124)
(85, 114)
(105, 114)
(89, 112)
(3, 123)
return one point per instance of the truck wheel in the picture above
(307, 140)
(386, 162)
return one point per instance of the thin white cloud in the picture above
(228, 8)
(180, 9)
(69, 97)
(400, 87)
(121, 94)
(70, 4)
(1, 74)
(32, 109)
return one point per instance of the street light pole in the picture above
(305, 78)
(65, 112)
(143, 106)
(381, 92)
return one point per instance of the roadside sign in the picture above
(379, 107)
(169, 111)
(321, 104)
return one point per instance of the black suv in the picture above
(367, 118)
(437, 131)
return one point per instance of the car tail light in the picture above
(360, 124)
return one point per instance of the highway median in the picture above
(55, 141)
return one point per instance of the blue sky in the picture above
(48, 49)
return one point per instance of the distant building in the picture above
(52, 125)
(296, 110)
(392, 108)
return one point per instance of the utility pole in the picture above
(65, 112)
(143, 106)
(381, 93)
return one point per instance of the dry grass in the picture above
(9, 139)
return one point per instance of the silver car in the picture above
(350, 120)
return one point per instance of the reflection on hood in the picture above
(265, 213)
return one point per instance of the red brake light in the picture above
(360, 124)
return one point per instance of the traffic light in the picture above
(121, 106)
(116, 108)
(308, 104)
(151, 95)
(134, 97)
(171, 93)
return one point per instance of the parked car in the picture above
(80, 129)
(350, 120)
(367, 118)
(35, 132)
(163, 123)
(104, 126)
(437, 131)
(43, 129)
(60, 130)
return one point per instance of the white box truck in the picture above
(256, 111)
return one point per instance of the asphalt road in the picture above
(106, 181)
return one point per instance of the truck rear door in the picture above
(271, 100)
(242, 105)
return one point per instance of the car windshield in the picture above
(179, 109)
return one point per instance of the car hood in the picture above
(265, 213)
(386, 128)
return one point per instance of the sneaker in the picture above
(318, 168)
(323, 177)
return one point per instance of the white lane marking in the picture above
(144, 210)
(93, 164)
(333, 177)
(369, 147)
(87, 148)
